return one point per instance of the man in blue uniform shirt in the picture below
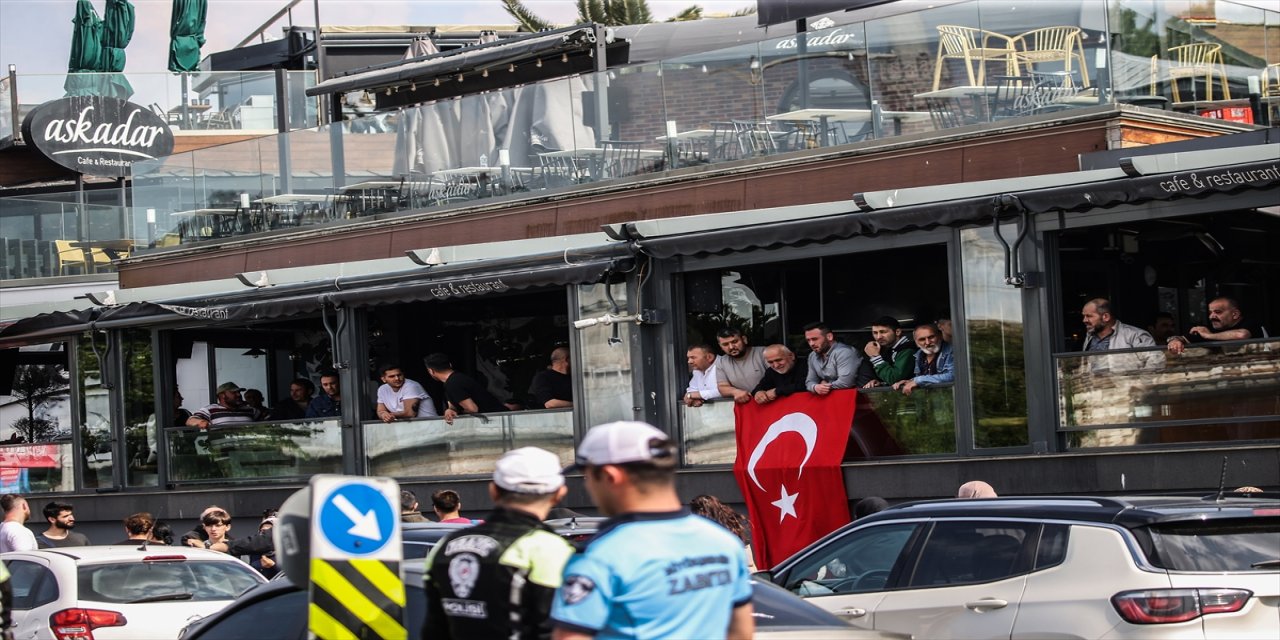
(654, 570)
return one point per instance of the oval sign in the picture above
(97, 135)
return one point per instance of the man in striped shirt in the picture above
(230, 409)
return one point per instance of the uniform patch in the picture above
(465, 608)
(464, 569)
(576, 588)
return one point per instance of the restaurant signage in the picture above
(97, 135)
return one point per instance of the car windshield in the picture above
(170, 581)
(1231, 545)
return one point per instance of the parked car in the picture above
(1079, 567)
(779, 615)
(120, 592)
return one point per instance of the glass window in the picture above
(35, 420)
(139, 407)
(1053, 546)
(286, 610)
(857, 562)
(993, 312)
(142, 581)
(607, 373)
(95, 410)
(972, 552)
(1230, 545)
(33, 584)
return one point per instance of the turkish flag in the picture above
(788, 468)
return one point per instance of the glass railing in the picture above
(254, 451)
(977, 63)
(37, 468)
(886, 423)
(207, 102)
(55, 235)
(432, 448)
(1228, 391)
(8, 128)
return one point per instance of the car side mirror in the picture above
(766, 576)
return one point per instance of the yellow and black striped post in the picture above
(356, 599)
(356, 591)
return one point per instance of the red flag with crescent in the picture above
(788, 468)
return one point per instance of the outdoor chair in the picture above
(976, 47)
(620, 158)
(756, 138)
(1052, 45)
(560, 170)
(220, 120)
(724, 142)
(1195, 60)
(1029, 94)
(1271, 80)
(69, 256)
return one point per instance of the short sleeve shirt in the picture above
(461, 386)
(394, 400)
(742, 373)
(16, 537)
(550, 384)
(655, 575)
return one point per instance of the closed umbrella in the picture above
(86, 51)
(117, 31)
(186, 34)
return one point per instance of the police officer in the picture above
(497, 579)
(654, 570)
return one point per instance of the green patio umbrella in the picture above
(117, 31)
(186, 34)
(86, 51)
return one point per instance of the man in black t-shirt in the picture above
(552, 388)
(1228, 323)
(463, 394)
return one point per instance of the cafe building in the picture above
(571, 188)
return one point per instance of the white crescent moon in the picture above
(790, 423)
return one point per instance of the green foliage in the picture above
(36, 387)
(1137, 40)
(690, 13)
(527, 20)
(999, 383)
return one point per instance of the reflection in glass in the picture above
(95, 411)
(1206, 394)
(432, 448)
(35, 423)
(267, 450)
(993, 312)
(607, 375)
(139, 408)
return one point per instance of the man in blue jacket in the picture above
(934, 362)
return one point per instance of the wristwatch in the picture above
(208, 544)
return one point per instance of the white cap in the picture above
(621, 442)
(528, 470)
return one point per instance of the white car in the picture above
(120, 592)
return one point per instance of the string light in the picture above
(459, 77)
(413, 86)
(437, 82)
(539, 63)
(564, 57)
(511, 68)
(484, 74)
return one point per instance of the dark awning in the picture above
(426, 285)
(49, 324)
(1199, 183)
(770, 12)
(496, 65)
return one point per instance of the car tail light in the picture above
(1164, 606)
(78, 624)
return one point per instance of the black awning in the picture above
(504, 63)
(426, 286)
(1198, 183)
(56, 323)
(771, 12)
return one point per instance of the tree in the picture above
(35, 387)
(607, 12)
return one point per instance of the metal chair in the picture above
(976, 47)
(620, 158)
(1052, 44)
(756, 138)
(1195, 60)
(724, 142)
(1271, 80)
(560, 170)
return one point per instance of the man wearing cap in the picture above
(230, 409)
(654, 570)
(497, 579)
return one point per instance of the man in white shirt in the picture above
(702, 384)
(14, 534)
(400, 398)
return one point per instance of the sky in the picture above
(35, 35)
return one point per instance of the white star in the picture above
(786, 504)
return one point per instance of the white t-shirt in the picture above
(16, 537)
(394, 400)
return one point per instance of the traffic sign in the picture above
(356, 589)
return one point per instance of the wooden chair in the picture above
(976, 47)
(1053, 44)
(1195, 60)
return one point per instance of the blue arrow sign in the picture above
(357, 519)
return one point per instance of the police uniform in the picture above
(655, 575)
(494, 580)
